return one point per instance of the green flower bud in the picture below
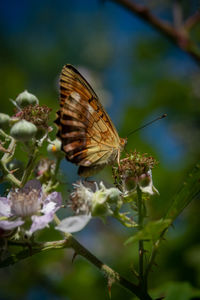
(4, 120)
(101, 210)
(99, 205)
(23, 130)
(25, 98)
(113, 195)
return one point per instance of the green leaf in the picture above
(151, 232)
(190, 189)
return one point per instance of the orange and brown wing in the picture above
(88, 135)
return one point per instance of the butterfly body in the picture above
(88, 136)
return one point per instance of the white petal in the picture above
(39, 222)
(52, 203)
(9, 225)
(147, 189)
(73, 224)
(5, 207)
(150, 188)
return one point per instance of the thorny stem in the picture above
(71, 242)
(153, 255)
(7, 158)
(152, 258)
(142, 279)
(11, 150)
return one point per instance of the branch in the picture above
(177, 14)
(142, 279)
(71, 242)
(192, 21)
(179, 37)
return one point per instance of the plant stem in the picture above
(152, 258)
(142, 279)
(7, 158)
(29, 168)
(71, 242)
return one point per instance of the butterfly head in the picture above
(123, 143)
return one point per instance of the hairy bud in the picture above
(4, 120)
(23, 131)
(25, 98)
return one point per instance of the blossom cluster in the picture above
(32, 201)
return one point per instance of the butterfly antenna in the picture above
(159, 118)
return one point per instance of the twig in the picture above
(177, 14)
(144, 13)
(71, 242)
(154, 253)
(179, 37)
(192, 21)
(7, 158)
(142, 279)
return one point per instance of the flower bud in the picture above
(4, 120)
(55, 148)
(130, 183)
(25, 98)
(113, 195)
(144, 180)
(100, 207)
(145, 183)
(23, 130)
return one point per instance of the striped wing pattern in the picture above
(88, 136)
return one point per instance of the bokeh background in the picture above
(138, 74)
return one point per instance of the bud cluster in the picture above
(36, 114)
(134, 169)
(30, 121)
(87, 197)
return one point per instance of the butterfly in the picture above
(89, 138)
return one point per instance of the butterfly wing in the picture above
(88, 136)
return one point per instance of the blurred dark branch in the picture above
(143, 13)
(192, 21)
(177, 14)
(179, 36)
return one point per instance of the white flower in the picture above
(89, 200)
(145, 183)
(29, 203)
